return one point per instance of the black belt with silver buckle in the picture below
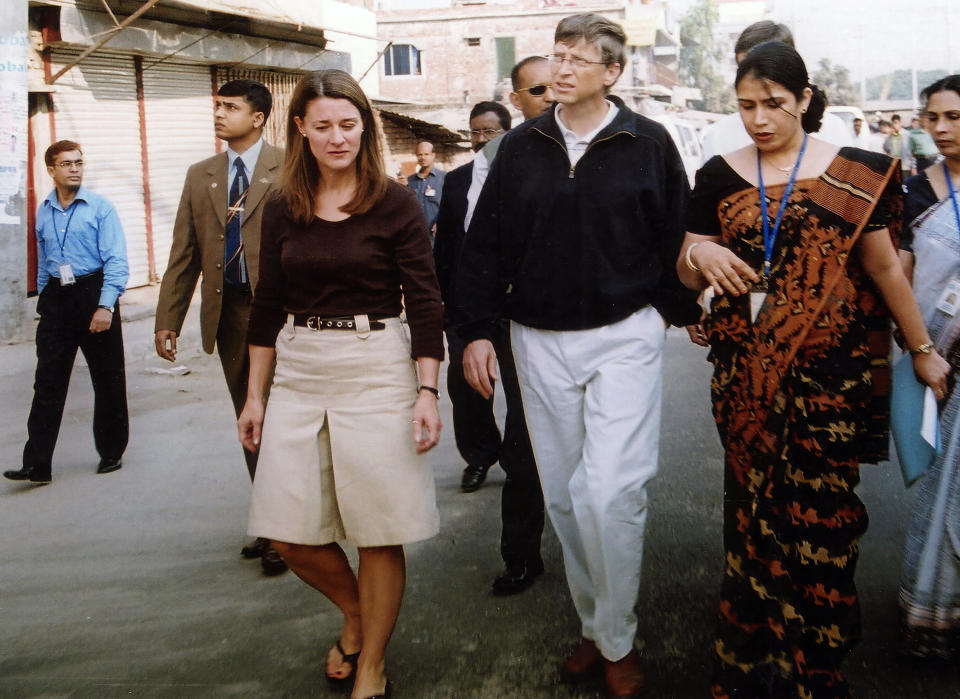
(336, 322)
(92, 276)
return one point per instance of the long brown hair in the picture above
(300, 172)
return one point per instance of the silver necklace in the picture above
(786, 170)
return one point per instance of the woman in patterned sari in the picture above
(930, 584)
(794, 238)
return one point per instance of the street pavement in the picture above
(131, 584)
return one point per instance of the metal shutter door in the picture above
(178, 104)
(96, 105)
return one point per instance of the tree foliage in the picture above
(834, 80)
(898, 85)
(701, 56)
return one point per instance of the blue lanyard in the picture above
(953, 195)
(66, 229)
(770, 237)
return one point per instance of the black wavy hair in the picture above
(951, 83)
(780, 63)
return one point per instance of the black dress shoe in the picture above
(28, 473)
(517, 577)
(109, 465)
(255, 548)
(272, 562)
(473, 478)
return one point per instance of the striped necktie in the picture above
(235, 266)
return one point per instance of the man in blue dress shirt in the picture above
(427, 183)
(81, 272)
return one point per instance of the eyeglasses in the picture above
(489, 133)
(70, 164)
(535, 90)
(575, 61)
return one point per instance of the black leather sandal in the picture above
(351, 660)
(387, 692)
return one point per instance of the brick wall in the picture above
(454, 73)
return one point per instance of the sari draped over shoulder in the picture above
(930, 582)
(800, 396)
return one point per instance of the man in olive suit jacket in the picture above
(217, 235)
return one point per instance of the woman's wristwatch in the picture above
(431, 389)
(925, 348)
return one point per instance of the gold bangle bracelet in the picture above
(686, 258)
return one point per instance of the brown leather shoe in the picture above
(583, 665)
(624, 678)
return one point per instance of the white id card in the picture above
(756, 301)
(430, 192)
(66, 275)
(950, 298)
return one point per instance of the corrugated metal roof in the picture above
(436, 133)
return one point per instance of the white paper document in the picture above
(930, 429)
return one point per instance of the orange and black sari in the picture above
(799, 396)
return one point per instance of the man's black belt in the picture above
(337, 322)
(78, 280)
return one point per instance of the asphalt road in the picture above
(131, 584)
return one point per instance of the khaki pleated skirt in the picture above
(337, 456)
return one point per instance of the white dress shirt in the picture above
(729, 134)
(577, 145)
(249, 157)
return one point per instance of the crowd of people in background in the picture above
(914, 145)
(554, 262)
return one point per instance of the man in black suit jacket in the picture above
(474, 426)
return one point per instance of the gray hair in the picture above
(606, 35)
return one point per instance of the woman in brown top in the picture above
(343, 439)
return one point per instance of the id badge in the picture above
(756, 301)
(66, 275)
(430, 192)
(758, 293)
(949, 300)
(706, 300)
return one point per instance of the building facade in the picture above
(462, 52)
(141, 104)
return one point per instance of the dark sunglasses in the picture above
(535, 90)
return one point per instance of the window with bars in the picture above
(402, 59)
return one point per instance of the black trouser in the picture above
(65, 315)
(521, 504)
(474, 426)
(234, 353)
